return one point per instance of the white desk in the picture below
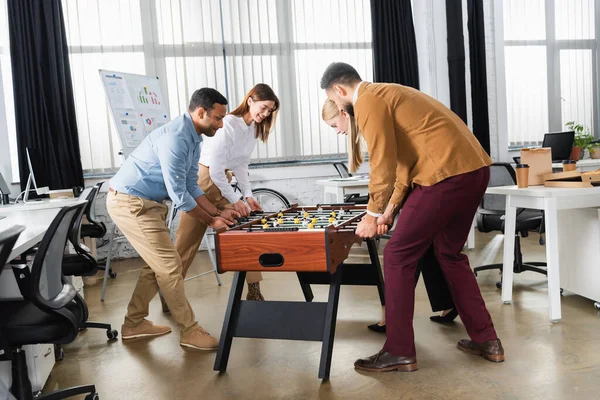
(44, 204)
(555, 202)
(335, 192)
(36, 223)
(589, 164)
(336, 189)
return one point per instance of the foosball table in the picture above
(314, 242)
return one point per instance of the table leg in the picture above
(552, 260)
(471, 237)
(339, 195)
(510, 223)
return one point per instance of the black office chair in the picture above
(8, 239)
(490, 218)
(83, 264)
(47, 313)
(95, 229)
(354, 198)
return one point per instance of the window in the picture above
(229, 45)
(8, 131)
(551, 64)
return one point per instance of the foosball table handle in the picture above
(271, 260)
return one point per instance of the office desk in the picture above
(36, 223)
(336, 189)
(563, 243)
(44, 204)
(589, 164)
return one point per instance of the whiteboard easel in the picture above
(137, 106)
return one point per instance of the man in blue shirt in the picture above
(165, 165)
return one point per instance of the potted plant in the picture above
(583, 139)
(594, 149)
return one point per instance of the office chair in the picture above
(8, 238)
(354, 198)
(490, 217)
(95, 229)
(83, 264)
(47, 313)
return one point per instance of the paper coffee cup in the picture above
(522, 175)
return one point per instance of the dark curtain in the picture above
(394, 44)
(456, 58)
(481, 123)
(44, 104)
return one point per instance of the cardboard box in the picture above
(62, 193)
(540, 164)
(572, 179)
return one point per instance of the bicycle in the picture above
(269, 199)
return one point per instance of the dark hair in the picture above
(206, 98)
(260, 92)
(339, 73)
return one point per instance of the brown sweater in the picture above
(412, 139)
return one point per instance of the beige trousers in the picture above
(191, 231)
(143, 222)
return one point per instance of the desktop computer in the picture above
(33, 158)
(5, 190)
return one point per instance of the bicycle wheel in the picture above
(270, 200)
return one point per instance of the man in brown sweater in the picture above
(442, 172)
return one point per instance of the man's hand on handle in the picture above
(241, 208)
(220, 222)
(230, 215)
(367, 228)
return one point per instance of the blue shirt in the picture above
(164, 165)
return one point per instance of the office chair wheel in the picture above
(597, 305)
(475, 273)
(92, 396)
(499, 285)
(111, 335)
(112, 274)
(561, 290)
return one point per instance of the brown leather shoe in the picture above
(145, 329)
(491, 350)
(384, 361)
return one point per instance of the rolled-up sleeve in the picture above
(172, 152)
(192, 176)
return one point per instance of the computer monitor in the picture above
(560, 143)
(4, 190)
(41, 184)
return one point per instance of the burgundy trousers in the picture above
(441, 214)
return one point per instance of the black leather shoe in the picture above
(491, 350)
(377, 328)
(384, 361)
(451, 316)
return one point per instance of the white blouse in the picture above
(230, 148)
